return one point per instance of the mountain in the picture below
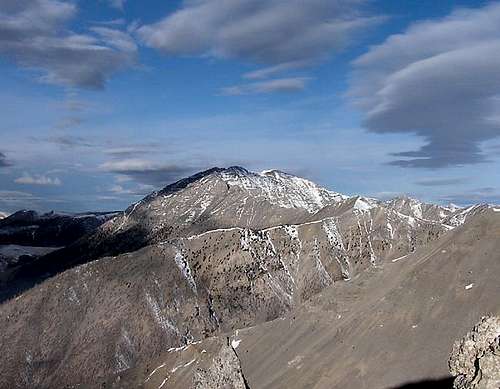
(234, 197)
(27, 235)
(51, 229)
(418, 210)
(3, 215)
(271, 255)
(218, 198)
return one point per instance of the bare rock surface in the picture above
(224, 372)
(475, 359)
(211, 363)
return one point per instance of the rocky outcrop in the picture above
(208, 364)
(224, 372)
(475, 359)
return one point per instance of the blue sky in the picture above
(103, 101)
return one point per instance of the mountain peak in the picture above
(237, 170)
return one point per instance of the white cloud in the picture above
(27, 179)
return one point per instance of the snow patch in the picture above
(154, 371)
(183, 266)
(235, 343)
(363, 205)
(335, 239)
(390, 229)
(459, 218)
(161, 319)
(398, 259)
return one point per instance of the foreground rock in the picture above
(208, 364)
(475, 359)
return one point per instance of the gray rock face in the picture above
(475, 359)
(224, 372)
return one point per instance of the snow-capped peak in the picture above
(282, 189)
(364, 204)
(453, 207)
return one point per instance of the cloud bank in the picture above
(34, 34)
(440, 80)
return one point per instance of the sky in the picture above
(104, 101)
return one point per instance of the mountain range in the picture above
(251, 280)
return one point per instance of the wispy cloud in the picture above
(69, 141)
(118, 4)
(129, 151)
(484, 195)
(441, 181)
(440, 80)
(137, 190)
(10, 199)
(65, 142)
(283, 85)
(276, 69)
(34, 34)
(147, 172)
(28, 179)
(112, 22)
